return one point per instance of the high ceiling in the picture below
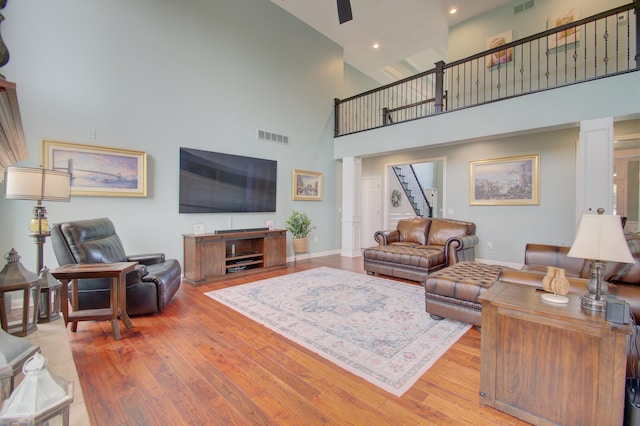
(412, 34)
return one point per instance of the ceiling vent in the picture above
(524, 6)
(273, 137)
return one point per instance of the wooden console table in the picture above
(214, 257)
(547, 363)
(118, 306)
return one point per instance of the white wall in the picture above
(155, 75)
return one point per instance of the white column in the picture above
(351, 218)
(594, 166)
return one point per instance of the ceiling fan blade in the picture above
(344, 11)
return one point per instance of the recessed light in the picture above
(453, 11)
(376, 45)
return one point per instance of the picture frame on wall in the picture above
(567, 37)
(501, 56)
(510, 181)
(97, 170)
(306, 185)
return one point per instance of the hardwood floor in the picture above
(199, 362)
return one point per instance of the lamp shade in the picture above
(600, 237)
(26, 183)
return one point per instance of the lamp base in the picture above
(589, 301)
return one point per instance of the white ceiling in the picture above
(412, 33)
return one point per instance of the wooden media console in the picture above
(213, 257)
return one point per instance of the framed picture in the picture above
(512, 181)
(306, 185)
(198, 229)
(98, 170)
(568, 36)
(501, 56)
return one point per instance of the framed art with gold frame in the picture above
(510, 181)
(306, 185)
(98, 170)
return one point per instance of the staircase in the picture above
(413, 190)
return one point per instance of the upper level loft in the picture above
(603, 45)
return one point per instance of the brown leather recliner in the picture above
(150, 286)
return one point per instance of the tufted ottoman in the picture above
(453, 292)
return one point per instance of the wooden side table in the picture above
(118, 302)
(547, 363)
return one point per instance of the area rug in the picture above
(372, 327)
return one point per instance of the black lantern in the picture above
(49, 297)
(18, 297)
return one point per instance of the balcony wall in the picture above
(563, 107)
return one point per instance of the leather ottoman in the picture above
(453, 292)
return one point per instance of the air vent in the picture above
(273, 137)
(524, 6)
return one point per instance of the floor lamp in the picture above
(37, 184)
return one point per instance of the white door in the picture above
(370, 204)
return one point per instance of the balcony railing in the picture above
(600, 46)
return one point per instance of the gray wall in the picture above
(155, 75)
(469, 37)
(507, 227)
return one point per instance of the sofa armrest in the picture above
(147, 258)
(577, 285)
(458, 249)
(137, 274)
(387, 237)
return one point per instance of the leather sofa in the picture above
(418, 247)
(625, 277)
(453, 292)
(150, 286)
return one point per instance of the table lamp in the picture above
(600, 239)
(38, 184)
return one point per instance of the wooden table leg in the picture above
(122, 300)
(64, 301)
(74, 303)
(114, 307)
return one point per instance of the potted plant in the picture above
(299, 225)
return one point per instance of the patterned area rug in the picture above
(374, 328)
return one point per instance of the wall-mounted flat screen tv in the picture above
(212, 182)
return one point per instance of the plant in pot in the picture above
(299, 225)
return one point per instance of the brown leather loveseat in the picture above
(624, 276)
(418, 247)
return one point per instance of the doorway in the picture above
(430, 173)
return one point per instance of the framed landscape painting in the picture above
(97, 170)
(511, 181)
(306, 185)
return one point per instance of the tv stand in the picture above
(235, 231)
(229, 254)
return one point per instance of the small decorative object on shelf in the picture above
(18, 297)
(299, 224)
(41, 398)
(556, 284)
